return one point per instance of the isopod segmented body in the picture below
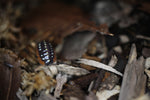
(45, 53)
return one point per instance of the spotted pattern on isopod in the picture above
(45, 52)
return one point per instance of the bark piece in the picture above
(133, 84)
(52, 70)
(73, 92)
(9, 74)
(84, 81)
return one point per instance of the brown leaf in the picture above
(60, 19)
(9, 75)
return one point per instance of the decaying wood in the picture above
(44, 96)
(105, 94)
(111, 78)
(36, 81)
(106, 80)
(20, 96)
(98, 81)
(10, 74)
(61, 80)
(133, 84)
(67, 69)
(52, 70)
(91, 96)
(143, 97)
(73, 92)
(85, 80)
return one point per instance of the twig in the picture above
(143, 37)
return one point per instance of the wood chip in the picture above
(72, 70)
(134, 79)
(61, 80)
(105, 94)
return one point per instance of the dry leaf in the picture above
(99, 65)
(36, 81)
(76, 44)
(92, 58)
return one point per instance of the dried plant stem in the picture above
(99, 65)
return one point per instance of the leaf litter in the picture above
(91, 54)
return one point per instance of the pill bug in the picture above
(45, 53)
